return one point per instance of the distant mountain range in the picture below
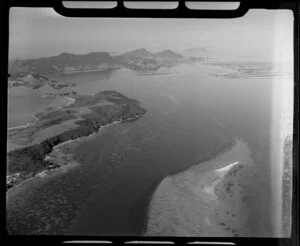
(143, 53)
(69, 63)
(65, 62)
(143, 59)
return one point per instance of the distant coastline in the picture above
(67, 63)
(248, 70)
(18, 127)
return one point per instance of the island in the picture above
(29, 145)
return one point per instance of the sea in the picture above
(191, 114)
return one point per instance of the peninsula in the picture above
(29, 145)
(35, 81)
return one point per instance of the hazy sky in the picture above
(37, 32)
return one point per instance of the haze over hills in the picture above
(141, 58)
(63, 62)
(35, 81)
(68, 63)
(143, 53)
(195, 52)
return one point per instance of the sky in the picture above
(39, 32)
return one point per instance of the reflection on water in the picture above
(81, 76)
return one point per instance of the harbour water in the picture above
(191, 115)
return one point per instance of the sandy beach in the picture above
(214, 198)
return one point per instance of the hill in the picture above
(64, 63)
(94, 61)
(143, 59)
(34, 81)
(54, 126)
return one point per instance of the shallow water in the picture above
(190, 116)
(24, 102)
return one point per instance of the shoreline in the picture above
(93, 70)
(84, 137)
(20, 126)
(27, 161)
(28, 124)
(47, 157)
(241, 73)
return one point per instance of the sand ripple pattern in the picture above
(211, 199)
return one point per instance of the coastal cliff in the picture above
(86, 115)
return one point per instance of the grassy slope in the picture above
(30, 160)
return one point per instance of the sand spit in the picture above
(211, 199)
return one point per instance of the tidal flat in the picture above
(212, 199)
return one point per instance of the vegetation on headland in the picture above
(103, 108)
(34, 81)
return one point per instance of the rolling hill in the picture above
(70, 63)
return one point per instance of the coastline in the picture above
(58, 127)
(62, 161)
(20, 126)
(28, 124)
(88, 71)
(232, 70)
(56, 159)
(66, 181)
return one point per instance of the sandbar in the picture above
(212, 199)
